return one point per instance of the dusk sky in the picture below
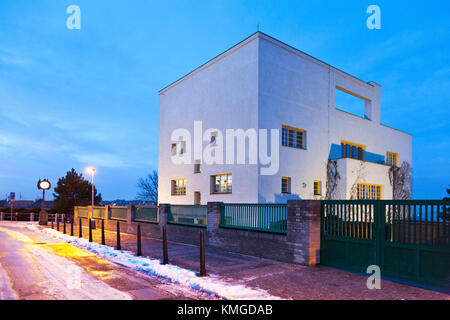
(89, 97)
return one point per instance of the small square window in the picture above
(183, 147)
(197, 168)
(174, 149)
(285, 185)
(214, 138)
(317, 188)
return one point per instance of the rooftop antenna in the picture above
(257, 27)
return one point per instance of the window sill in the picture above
(212, 193)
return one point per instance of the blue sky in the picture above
(73, 98)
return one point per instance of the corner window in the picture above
(222, 183)
(179, 187)
(392, 159)
(317, 188)
(293, 137)
(352, 150)
(285, 185)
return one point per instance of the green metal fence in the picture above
(118, 213)
(83, 212)
(100, 213)
(407, 239)
(256, 217)
(145, 214)
(187, 215)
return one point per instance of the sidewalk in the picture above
(288, 281)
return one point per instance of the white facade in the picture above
(262, 83)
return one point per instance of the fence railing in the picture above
(187, 215)
(100, 213)
(83, 212)
(118, 213)
(405, 221)
(255, 217)
(145, 214)
(418, 222)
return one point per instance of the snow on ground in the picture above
(63, 279)
(210, 285)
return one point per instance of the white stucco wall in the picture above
(224, 96)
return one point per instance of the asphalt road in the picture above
(34, 266)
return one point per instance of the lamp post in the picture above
(92, 172)
(43, 185)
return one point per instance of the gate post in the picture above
(303, 231)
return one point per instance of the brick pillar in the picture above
(31, 216)
(129, 214)
(162, 214)
(106, 213)
(303, 231)
(212, 222)
(2, 216)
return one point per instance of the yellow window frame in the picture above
(176, 187)
(353, 144)
(317, 187)
(227, 183)
(287, 182)
(369, 191)
(392, 158)
(296, 132)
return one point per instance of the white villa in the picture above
(262, 83)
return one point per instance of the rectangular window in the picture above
(293, 137)
(214, 138)
(198, 198)
(179, 187)
(183, 147)
(285, 185)
(222, 183)
(352, 150)
(317, 188)
(392, 159)
(197, 166)
(368, 191)
(174, 149)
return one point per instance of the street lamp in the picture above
(43, 185)
(92, 172)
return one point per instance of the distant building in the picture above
(25, 204)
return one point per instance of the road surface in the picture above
(34, 266)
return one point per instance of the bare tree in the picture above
(333, 178)
(400, 179)
(148, 187)
(360, 176)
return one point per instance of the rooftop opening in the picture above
(350, 103)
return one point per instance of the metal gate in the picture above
(407, 239)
